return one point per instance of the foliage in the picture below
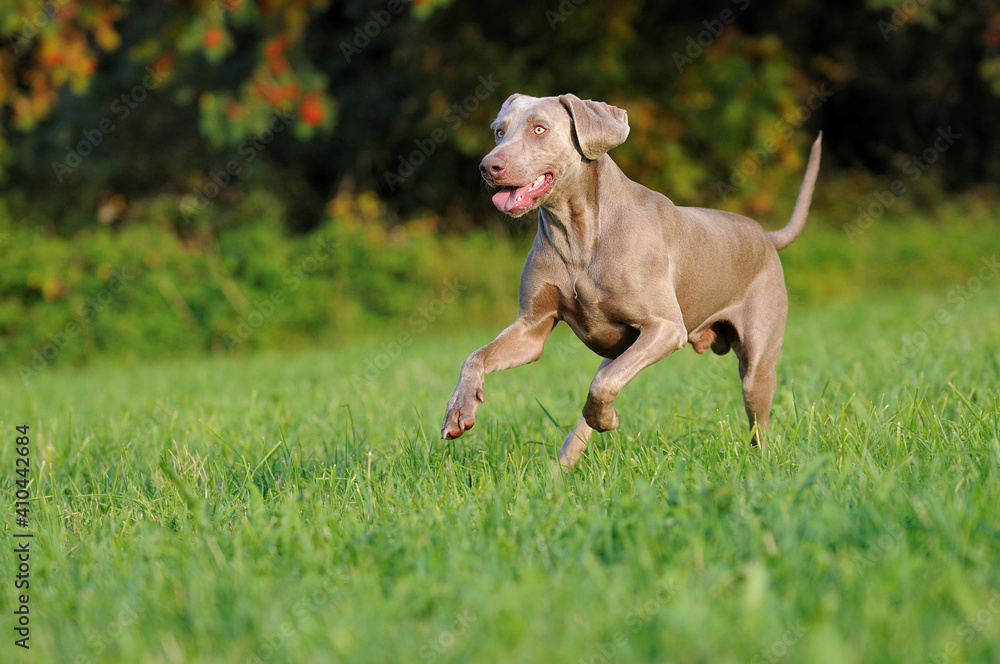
(223, 284)
(264, 508)
(59, 45)
(219, 282)
(393, 97)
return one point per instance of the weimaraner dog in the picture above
(635, 276)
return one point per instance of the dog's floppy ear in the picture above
(598, 126)
(511, 98)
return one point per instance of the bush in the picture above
(231, 279)
(147, 290)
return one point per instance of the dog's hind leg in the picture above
(758, 351)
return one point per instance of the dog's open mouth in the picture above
(518, 200)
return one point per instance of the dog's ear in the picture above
(511, 98)
(598, 126)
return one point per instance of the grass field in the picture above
(301, 508)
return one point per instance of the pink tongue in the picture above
(505, 200)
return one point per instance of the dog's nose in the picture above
(493, 166)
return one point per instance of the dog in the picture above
(634, 275)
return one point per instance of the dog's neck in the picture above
(573, 224)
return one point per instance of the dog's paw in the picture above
(460, 416)
(600, 416)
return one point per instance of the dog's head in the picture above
(542, 142)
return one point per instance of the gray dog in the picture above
(634, 275)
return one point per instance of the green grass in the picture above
(266, 509)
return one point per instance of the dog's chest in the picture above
(592, 314)
(585, 294)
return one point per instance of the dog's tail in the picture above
(784, 237)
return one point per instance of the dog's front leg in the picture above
(519, 344)
(576, 442)
(658, 338)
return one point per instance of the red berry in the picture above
(311, 111)
(214, 37)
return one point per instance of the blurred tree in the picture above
(186, 97)
(419, 101)
(905, 70)
(56, 45)
(77, 78)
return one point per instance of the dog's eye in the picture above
(539, 130)
(499, 133)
